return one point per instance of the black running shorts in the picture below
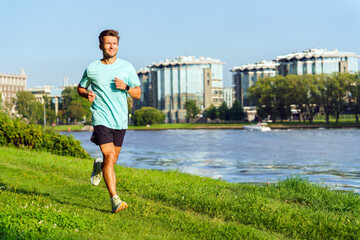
(102, 135)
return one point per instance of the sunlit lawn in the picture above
(44, 196)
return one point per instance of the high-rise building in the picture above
(66, 81)
(145, 98)
(317, 61)
(246, 76)
(11, 83)
(173, 82)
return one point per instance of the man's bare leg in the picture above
(110, 153)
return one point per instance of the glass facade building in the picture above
(317, 61)
(173, 82)
(146, 97)
(246, 76)
(311, 61)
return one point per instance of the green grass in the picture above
(64, 128)
(44, 196)
(344, 121)
(342, 117)
(188, 125)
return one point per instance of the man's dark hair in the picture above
(108, 32)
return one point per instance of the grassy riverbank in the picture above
(44, 196)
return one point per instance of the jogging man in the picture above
(111, 80)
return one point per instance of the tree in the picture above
(237, 111)
(326, 89)
(339, 80)
(297, 92)
(50, 111)
(1, 102)
(353, 88)
(28, 107)
(8, 105)
(148, 115)
(282, 100)
(262, 93)
(211, 112)
(76, 110)
(191, 109)
(72, 101)
(312, 100)
(68, 95)
(224, 113)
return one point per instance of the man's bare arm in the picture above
(90, 96)
(133, 92)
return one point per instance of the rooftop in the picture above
(310, 53)
(186, 60)
(22, 74)
(143, 70)
(257, 66)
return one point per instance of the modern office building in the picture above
(173, 82)
(146, 97)
(11, 83)
(246, 76)
(317, 61)
(311, 61)
(229, 96)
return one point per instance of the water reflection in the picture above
(326, 156)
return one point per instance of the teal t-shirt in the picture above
(110, 105)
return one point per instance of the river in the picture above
(327, 156)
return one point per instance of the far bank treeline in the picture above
(73, 108)
(330, 95)
(274, 98)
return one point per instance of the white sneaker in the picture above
(96, 175)
(117, 204)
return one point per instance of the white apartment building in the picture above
(11, 83)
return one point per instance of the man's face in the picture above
(110, 46)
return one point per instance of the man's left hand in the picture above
(120, 84)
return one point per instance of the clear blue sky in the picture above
(55, 39)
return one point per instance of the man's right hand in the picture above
(91, 96)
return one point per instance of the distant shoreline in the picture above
(221, 127)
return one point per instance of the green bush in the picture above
(148, 115)
(16, 132)
(211, 112)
